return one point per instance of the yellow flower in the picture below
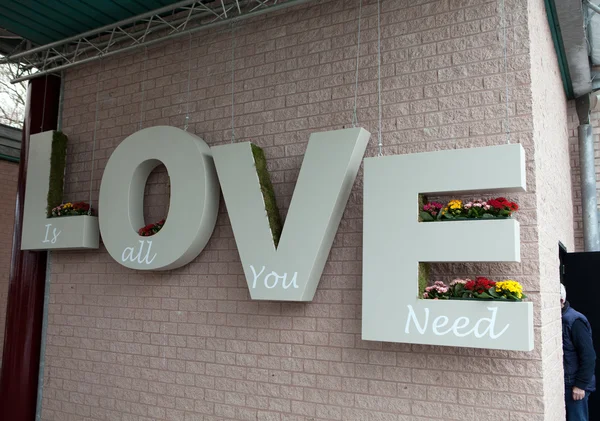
(455, 204)
(511, 286)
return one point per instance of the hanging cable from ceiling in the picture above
(507, 118)
(94, 142)
(380, 139)
(232, 82)
(143, 86)
(187, 106)
(354, 115)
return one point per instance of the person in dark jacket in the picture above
(579, 360)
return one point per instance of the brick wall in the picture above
(553, 195)
(8, 194)
(188, 344)
(575, 173)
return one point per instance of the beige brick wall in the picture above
(189, 344)
(553, 194)
(8, 194)
(575, 172)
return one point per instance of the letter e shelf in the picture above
(394, 242)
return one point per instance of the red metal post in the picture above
(24, 314)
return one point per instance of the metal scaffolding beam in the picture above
(181, 18)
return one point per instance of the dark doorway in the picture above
(580, 273)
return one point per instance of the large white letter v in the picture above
(331, 162)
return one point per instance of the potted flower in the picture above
(71, 209)
(437, 291)
(480, 288)
(457, 287)
(502, 208)
(508, 290)
(453, 210)
(151, 229)
(431, 211)
(457, 210)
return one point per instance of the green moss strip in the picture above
(58, 161)
(424, 273)
(266, 187)
(424, 268)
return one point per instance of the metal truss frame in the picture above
(178, 19)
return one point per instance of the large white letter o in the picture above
(193, 206)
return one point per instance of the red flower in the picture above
(151, 229)
(513, 206)
(480, 285)
(495, 203)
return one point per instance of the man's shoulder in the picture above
(574, 315)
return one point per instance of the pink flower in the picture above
(458, 281)
(469, 205)
(433, 206)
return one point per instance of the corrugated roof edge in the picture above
(10, 143)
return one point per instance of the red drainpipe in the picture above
(24, 313)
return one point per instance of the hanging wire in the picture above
(354, 116)
(94, 141)
(61, 99)
(44, 106)
(187, 107)
(232, 82)
(143, 88)
(507, 124)
(380, 144)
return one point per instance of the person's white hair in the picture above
(563, 293)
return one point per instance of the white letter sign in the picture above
(394, 242)
(193, 206)
(291, 270)
(39, 231)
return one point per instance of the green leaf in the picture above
(426, 216)
(488, 216)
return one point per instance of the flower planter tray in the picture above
(470, 323)
(472, 299)
(65, 232)
(468, 219)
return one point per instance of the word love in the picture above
(394, 242)
(55, 235)
(127, 255)
(460, 327)
(276, 278)
(196, 172)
